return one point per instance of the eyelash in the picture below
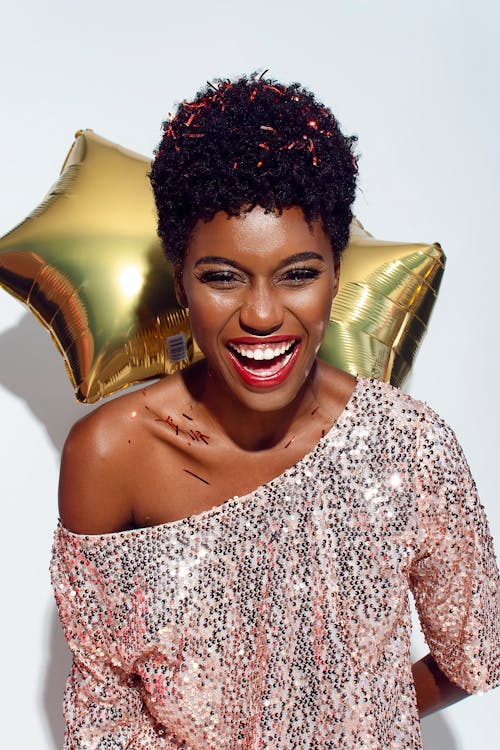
(297, 275)
(223, 278)
(227, 278)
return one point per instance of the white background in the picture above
(418, 82)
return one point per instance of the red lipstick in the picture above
(262, 339)
(265, 373)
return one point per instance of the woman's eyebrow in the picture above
(217, 259)
(300, 258)
(295, 258)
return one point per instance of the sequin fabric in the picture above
(280, 620)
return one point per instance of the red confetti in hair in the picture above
(170, 133)
(274, 88)
(311, 117)
(313, 152)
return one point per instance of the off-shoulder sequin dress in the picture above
(280, 620)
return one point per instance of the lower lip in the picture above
(268, 382)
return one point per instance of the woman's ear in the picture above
(179, 287)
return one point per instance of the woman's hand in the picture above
(434, 690)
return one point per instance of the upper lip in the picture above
(262, 341)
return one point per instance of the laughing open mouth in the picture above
(265, 361)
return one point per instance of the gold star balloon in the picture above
(380, 314)
(88, 263)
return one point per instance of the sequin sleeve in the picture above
(455, 577)
(103, 704)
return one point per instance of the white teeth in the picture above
(268, 353)
(266, 373)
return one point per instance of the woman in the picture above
(277, 618)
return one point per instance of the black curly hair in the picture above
(248, 142)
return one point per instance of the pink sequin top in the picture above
(280, 620)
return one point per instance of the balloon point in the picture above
(82, 131)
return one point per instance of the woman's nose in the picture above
(261, 312)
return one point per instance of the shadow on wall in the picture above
(436, 734)
(33, 370)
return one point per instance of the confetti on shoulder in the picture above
(196, 476)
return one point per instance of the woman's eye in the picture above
(218, 278)
(300, 275)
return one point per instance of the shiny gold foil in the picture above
(88, 263)
(380, 314)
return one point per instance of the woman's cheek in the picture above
(209, 314)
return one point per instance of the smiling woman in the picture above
(271, 283)
(237, 541)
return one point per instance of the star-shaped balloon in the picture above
(88, 263)
(380, 314)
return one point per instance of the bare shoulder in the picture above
(93, 491)
(338, 386)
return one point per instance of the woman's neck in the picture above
(249, 429)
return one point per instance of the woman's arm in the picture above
(434, 690)
(454, 578)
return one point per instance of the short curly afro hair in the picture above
(248, 142)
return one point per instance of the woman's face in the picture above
(259, 288)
